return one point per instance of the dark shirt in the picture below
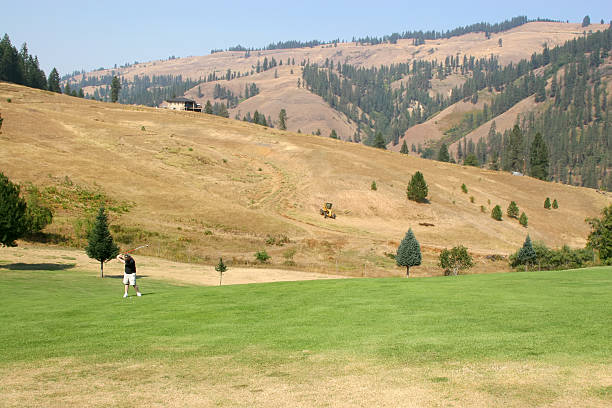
(130, 265)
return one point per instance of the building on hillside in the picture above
(184, 104)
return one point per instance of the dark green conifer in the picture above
(379, 141)
(547, 203)
(404, 149)
(496, 213)
(513, 210)
(100, 241)
(523, 219)
(54, 81)
(527, 255)
(13, 219)
(539, 158)
(417, 188)
(443, 155)
(408, 252)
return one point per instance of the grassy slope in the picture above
(56, 320)
(190, 173)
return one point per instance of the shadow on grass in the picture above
(121, 276)
(37, 266)
(47, 238)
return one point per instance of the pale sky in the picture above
(75, 35)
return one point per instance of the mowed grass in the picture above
(547, 316)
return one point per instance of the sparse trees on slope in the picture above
(100, 241)
(13, 218)
(409, 252)
(417, 188)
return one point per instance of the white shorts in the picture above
(129, 279)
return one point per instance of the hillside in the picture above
(308, 112)
(198, 187)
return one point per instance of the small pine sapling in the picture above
(417, 188)
(496, 213)
(555, 205)
(523, 219)
(373, 186)
(527, 255)
(464, 188)
(408, 252)
(547, 203)
(262, 256)
(220, 268)
(100, 241)
(513, 210)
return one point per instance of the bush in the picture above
(547, 203)
(454, 260)
(262, 256)
(464, 188)
(373, 186)
(472, 199)
(523, 219)
(556, 259)
(555, 205)
(496, 213)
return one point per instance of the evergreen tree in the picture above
(373, 186)
(100, 242)
(555, 205)
(115, 87)
(13, 219)
(408, 252)
(547, 203)
(496, 213)
(208, 108)
(443, 155)
(379, 141)
(523, 219)
(586, 21)
(417, 188)
(333, 134)
(404, 149)
(513, 210)
(54, 81)
(220, 268)
(538, 162)
(516, 149)
(600, 237)
(526, 255)
(282, 119)
(471, 160)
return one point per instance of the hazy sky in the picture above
(74, 35)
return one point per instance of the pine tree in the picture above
(333, 134)
(526, 254)
(379, 141)
(496, 213)
(417, 188)
(538, 161)
(100, 242)
(373, 186)
(408, 252)
(555, 205)
(54, 81)
(513, 210)
(547, 203)
(282, 119)
(220, 268)
(516, 149)
(208, 108)
(115, 87)
(523, 219)
(443, 155)
(586, 21)
(13, 220)
(404, 149)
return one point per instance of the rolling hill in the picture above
(198, 186)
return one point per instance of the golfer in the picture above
(129, 275)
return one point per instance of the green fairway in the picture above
(547, 316)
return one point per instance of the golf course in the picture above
(511, 339)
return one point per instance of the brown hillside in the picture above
(201, 187)
(308, 112)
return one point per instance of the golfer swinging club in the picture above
(129, 275)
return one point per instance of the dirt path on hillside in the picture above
(32, 257)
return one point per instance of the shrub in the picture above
(472, 199)
(454, 260)
(547, 203)
(554, 204)
(556, 259)
(496, 213)
(373, 186)
(600, 237)
(523, 219)
(464, 188)
(262, 256)
(513, 210)
(483, 209)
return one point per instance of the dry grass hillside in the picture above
(197, 187)
(309, 112)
